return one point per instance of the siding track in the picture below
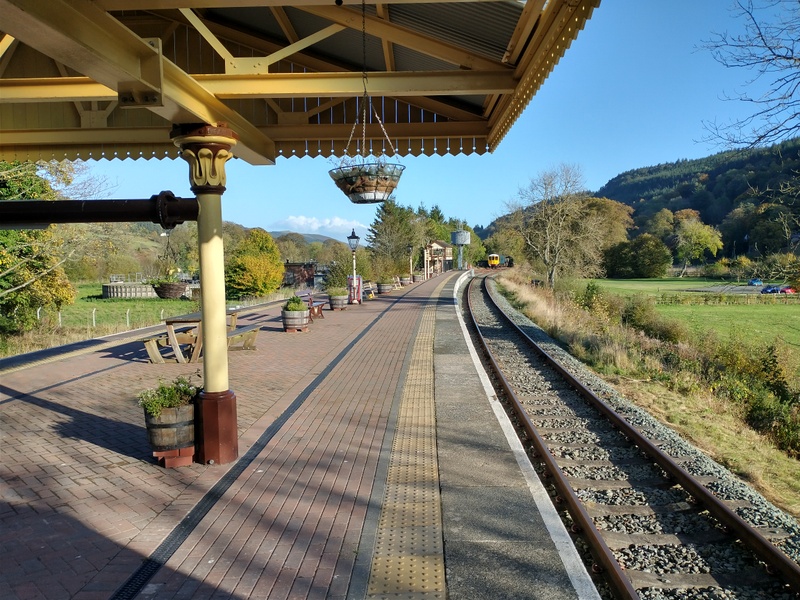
(658, 519)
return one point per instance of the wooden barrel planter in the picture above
(405, 281)
(338, 302)
(171, 435)
(419, 278)
(295, 320)
(385, 288)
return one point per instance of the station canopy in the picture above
(94, 79)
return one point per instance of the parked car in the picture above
(755, 282)
(787, 289)
(770, 289)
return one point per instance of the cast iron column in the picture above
(207, 148)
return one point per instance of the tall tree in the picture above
(31, 273)
(645, 256)
(393, 230)
(256, 268)
(559, 230)
(693, 240)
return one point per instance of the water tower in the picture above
(460, 238)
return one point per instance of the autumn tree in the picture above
(693, 239)
(255, 269)
(558, 228)
(31, 272)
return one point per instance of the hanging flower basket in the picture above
(367, 183)
(170, 290)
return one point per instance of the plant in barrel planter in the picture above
(169, 418)
(338, 298)
(405, 279)
(295, 315)
(385, 284)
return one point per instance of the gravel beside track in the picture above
(665, 510)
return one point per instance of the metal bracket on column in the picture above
(173, 211)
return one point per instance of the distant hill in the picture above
(714, 185)
(308, 237)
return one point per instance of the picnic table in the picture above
(186, 330)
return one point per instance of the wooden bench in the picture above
(244, 336)
(153, 345)
(314, 306)
(367, 291)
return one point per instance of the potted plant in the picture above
(385, 284)
(405, 279)
(338, 298)
(295, 314)
(419, 277)
(169, 418)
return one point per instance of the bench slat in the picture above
(246, 336)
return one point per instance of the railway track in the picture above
(653, 517)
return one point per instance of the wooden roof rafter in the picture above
(449, 76)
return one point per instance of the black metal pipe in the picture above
(164, 209)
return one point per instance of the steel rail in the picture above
(775, 559)
(603, 556)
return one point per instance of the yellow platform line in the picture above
(408, 558)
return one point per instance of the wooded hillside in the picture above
(714, 185)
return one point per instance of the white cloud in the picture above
(329, 226)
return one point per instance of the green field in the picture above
(92, 311)
(759, 323)
(762, 320)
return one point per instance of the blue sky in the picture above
(632, 91)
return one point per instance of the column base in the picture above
(216, 428)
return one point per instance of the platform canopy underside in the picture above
(93, 79)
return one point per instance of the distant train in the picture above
(494, 261)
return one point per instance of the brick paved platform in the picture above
(373, 464)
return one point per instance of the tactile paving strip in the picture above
(408, 558)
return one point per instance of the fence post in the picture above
(39, 314)
(128, 318)
(59, 318)
(94, 318)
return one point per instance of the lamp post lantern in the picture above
(352, 241)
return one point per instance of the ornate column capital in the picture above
(206, 148)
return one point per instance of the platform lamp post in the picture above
(410, 249)
(352, 241)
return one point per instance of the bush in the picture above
(295, 303)
(337, 291)
(167, 395)
(640, 313)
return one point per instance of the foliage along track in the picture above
(655, 517)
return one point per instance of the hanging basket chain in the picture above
(366, 100)
(362, 182)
